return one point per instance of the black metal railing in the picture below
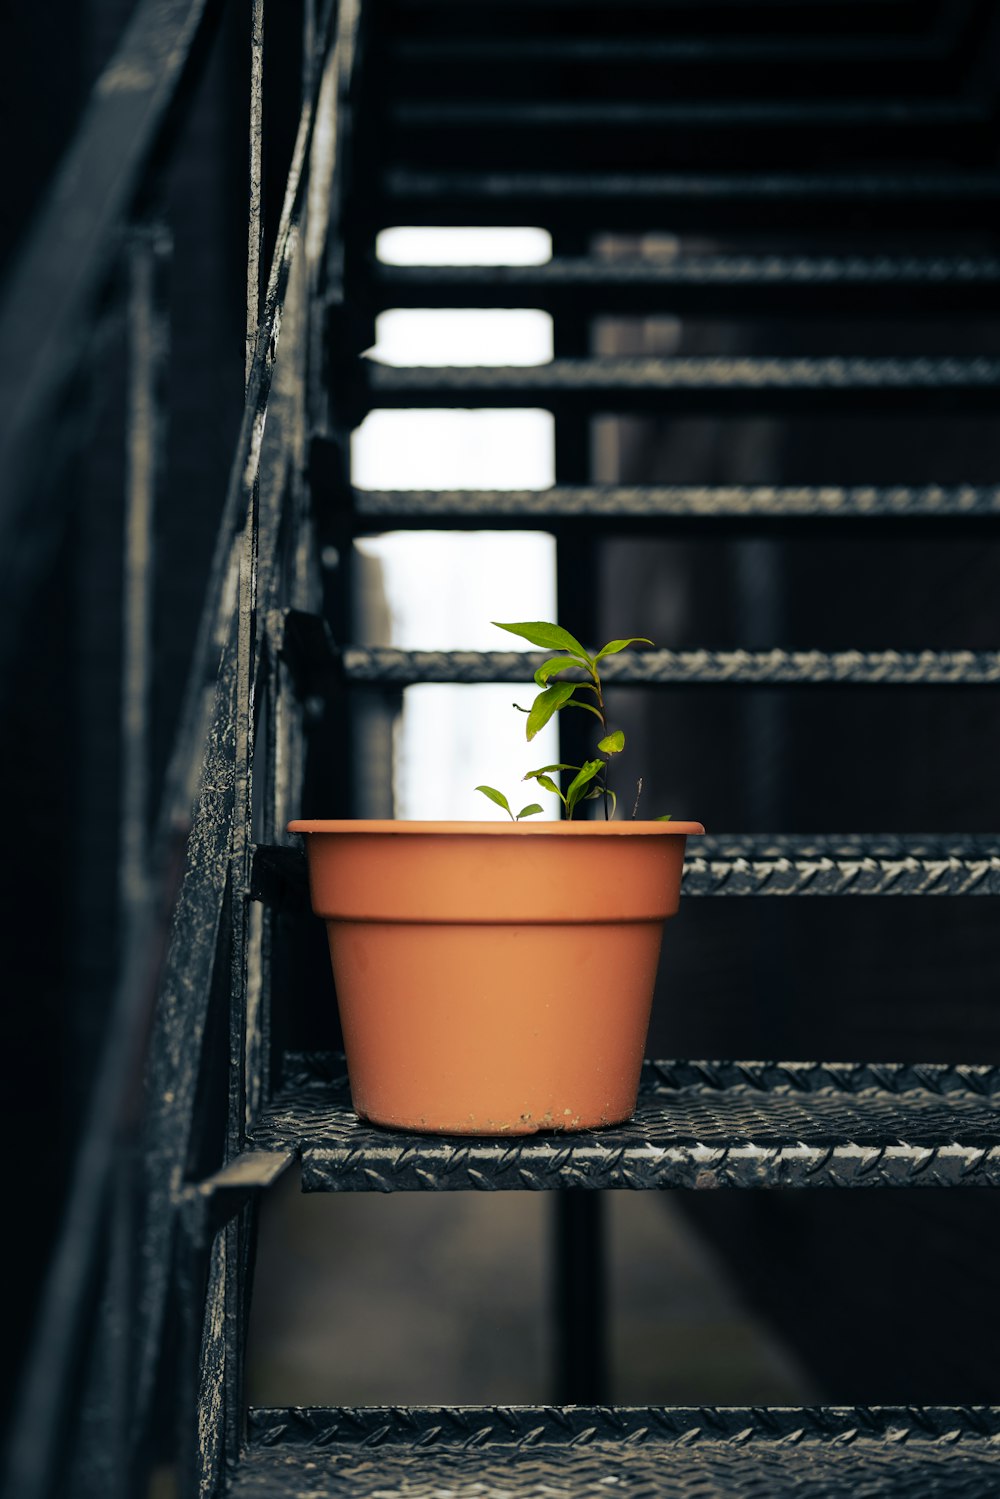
(137, 1299)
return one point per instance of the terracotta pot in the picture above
(494, 978)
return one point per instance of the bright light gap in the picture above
(443, 588)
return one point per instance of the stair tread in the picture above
(881, 12)
(695, 114)
(758, 864)
(717, 383)
(682, 200)
(666, 501)
(682, 270)
(528, 1452)
(698, 372)
(743, 49)
(710, 285)
(697, 1125)
(934, 186)
(628, 63)
(392, 664)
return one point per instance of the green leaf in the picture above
(546, 703)
(549, 637)
(663, 817)
(529, 811)
(576, 703)
(497, 797)
(551, 666)
(612, 744)
(614, 802)
(542, 769)
(548, 784)
(575, 789)
(614, 646)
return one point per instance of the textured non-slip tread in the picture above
(852, 866)
(678, 51)
(698, 1125)
(685, 502)
(712, 383)
(688, 200)
(706, 284)
(755, 865)
(741, 114)
(885, 12)
(659, 1453)
(390, 664)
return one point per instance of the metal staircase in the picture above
(833, 159)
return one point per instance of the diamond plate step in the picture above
(757, 865)
(708, 285)
(683, 505)
(576, 1452)
(859, 866)
(656, 135)
(698, 1125)
(712, 65)
(680, 201)
(559, 17)
(389, 664)
(712, 384)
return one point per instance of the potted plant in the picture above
(495, 978)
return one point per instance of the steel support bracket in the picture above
(304, 642)
(278, 878)
(207, 1206)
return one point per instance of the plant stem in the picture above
(604, 725)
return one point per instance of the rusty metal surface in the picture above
(663, 1453)
(698, 1125)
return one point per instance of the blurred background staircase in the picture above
(769, 257)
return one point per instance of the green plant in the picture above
(591, 779)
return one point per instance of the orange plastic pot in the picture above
(494, 978)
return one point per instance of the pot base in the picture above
(548, 1123)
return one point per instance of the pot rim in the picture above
(494, 829)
